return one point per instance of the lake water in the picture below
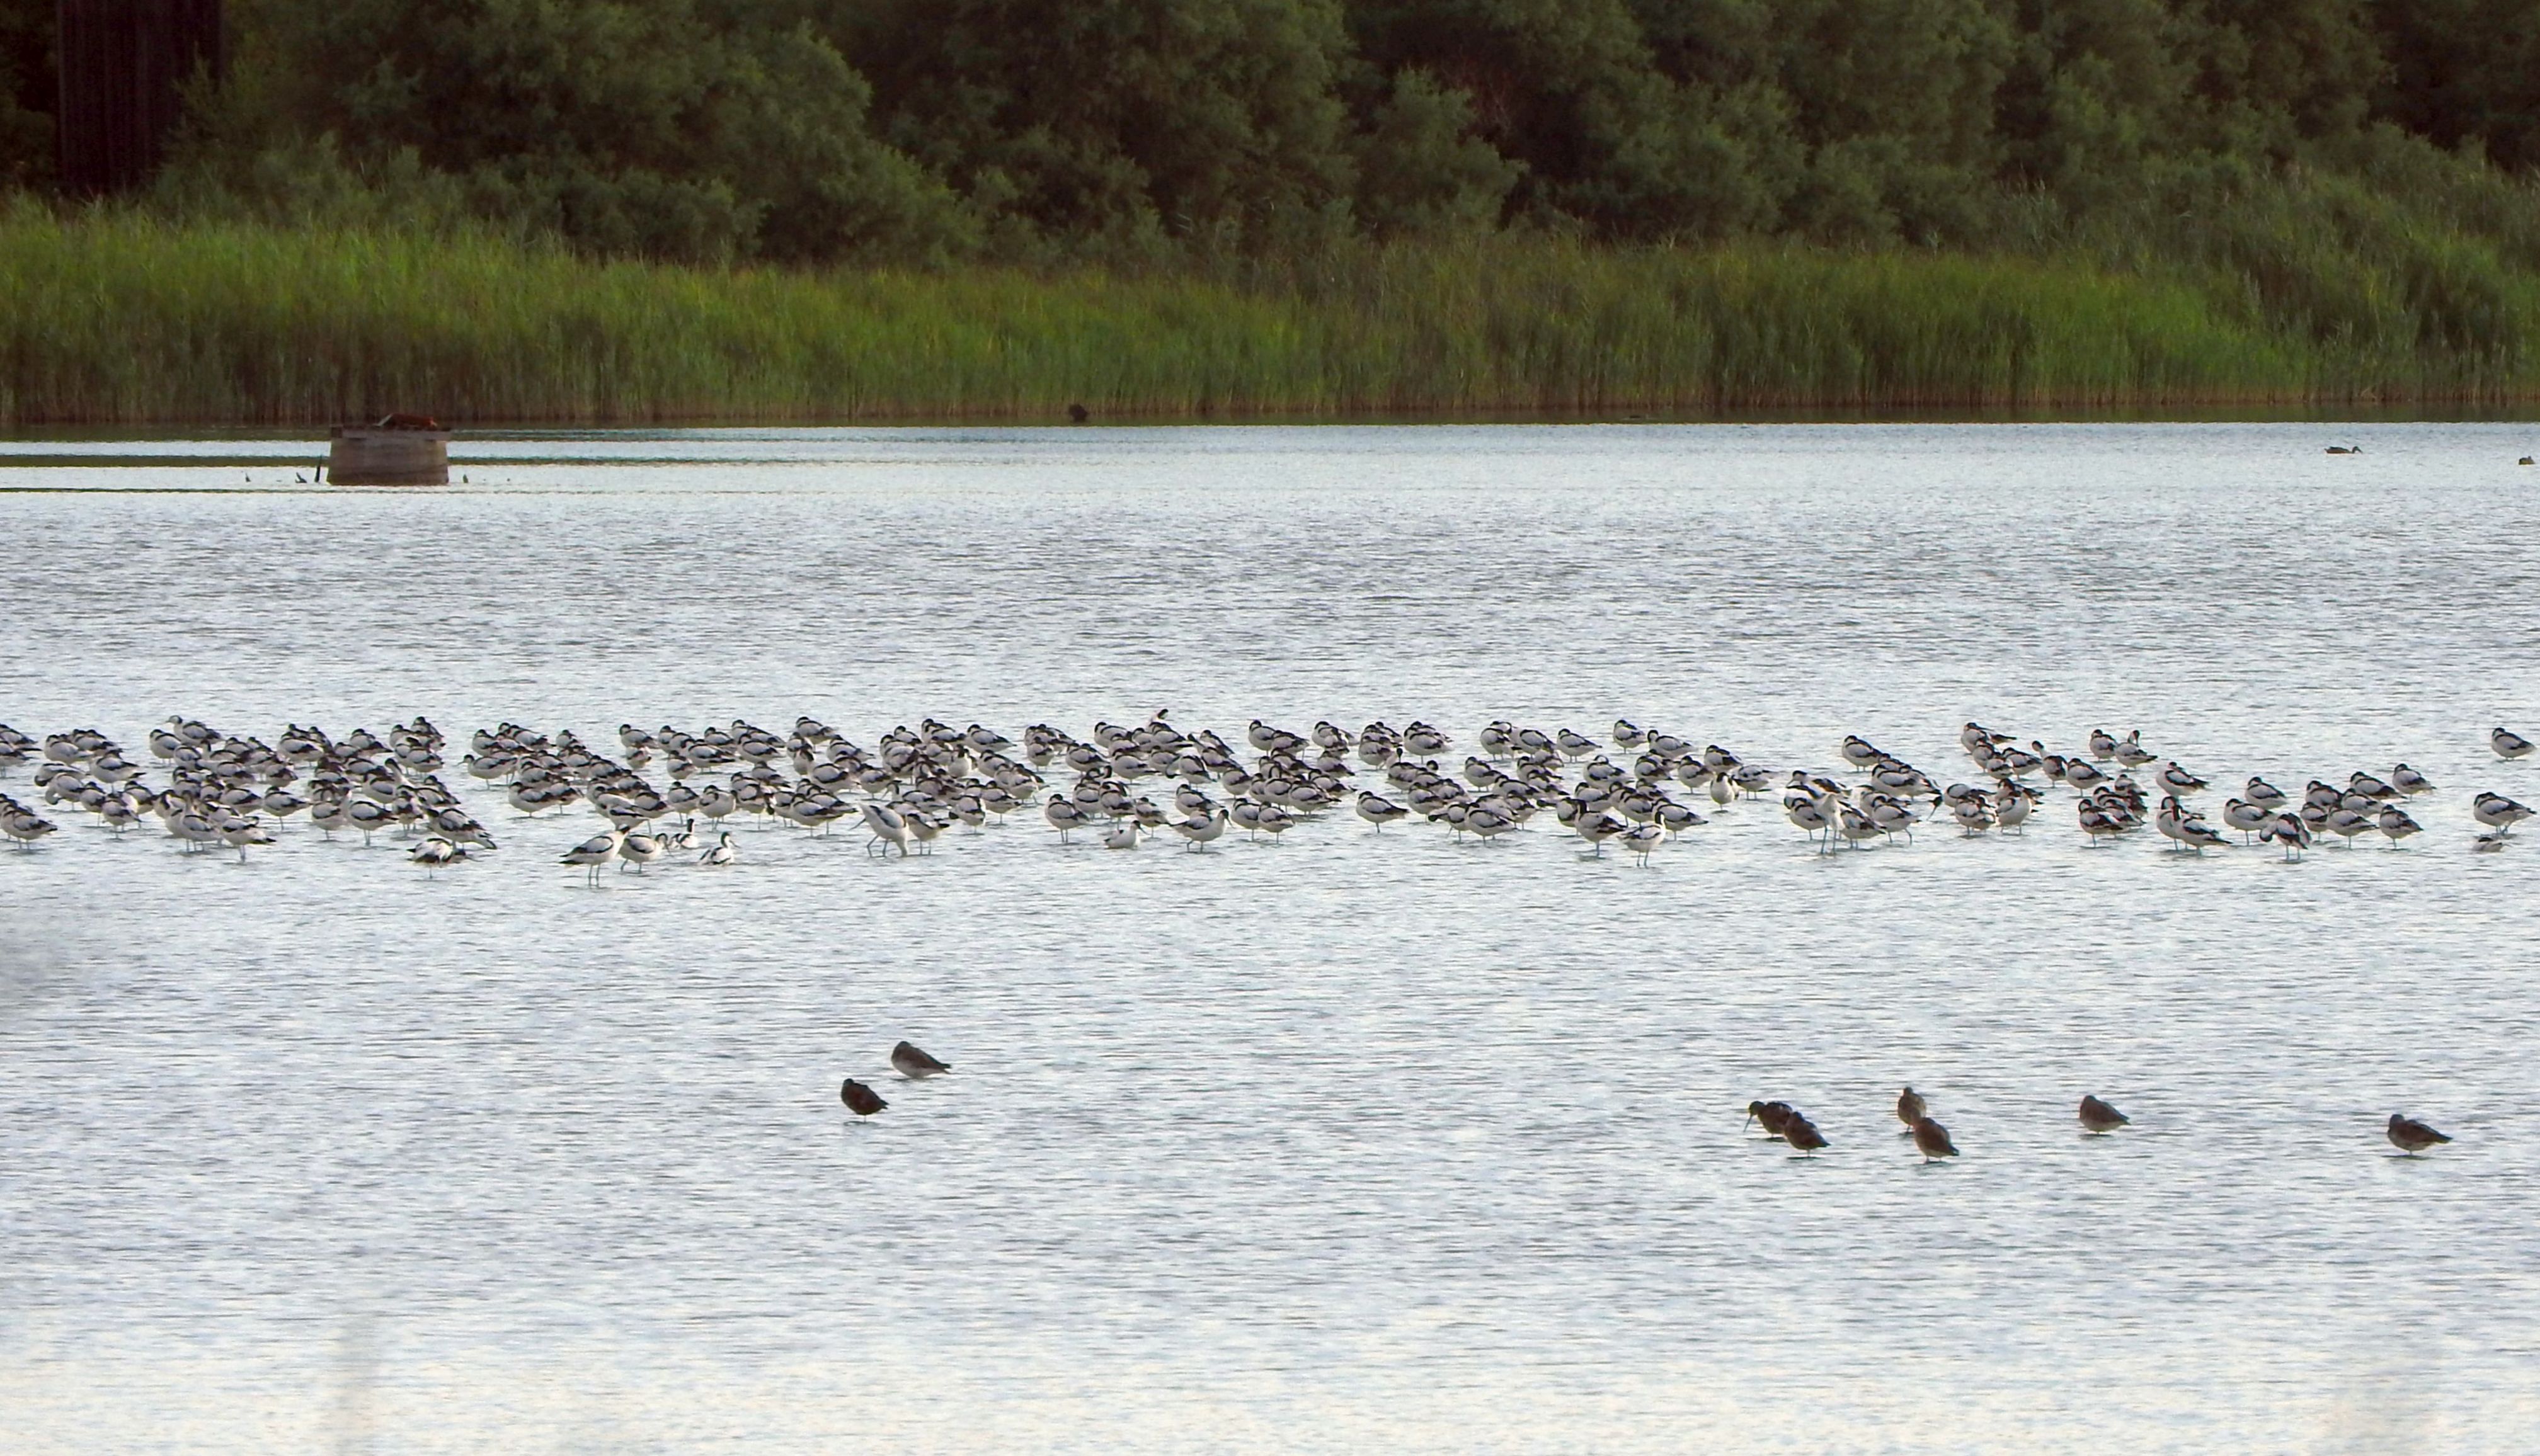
(1349, 1141)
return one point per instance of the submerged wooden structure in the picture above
(401, 450)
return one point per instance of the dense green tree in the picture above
(2465, 71)
(1421, 169)
(25, 92)
(2098, 91)
(1570, 90)
(1161, 130)
(1126, 122)
(2301, 69)
(663, 127)
(1895, 100)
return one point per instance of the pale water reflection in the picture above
(1353, 1141)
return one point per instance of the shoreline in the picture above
(2517, 411)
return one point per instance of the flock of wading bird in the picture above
(1784, 1123)
(1781, 1122)
(231, 792)
(917, 783)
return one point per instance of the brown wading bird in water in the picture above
(2412, 1136)
(1933, 1141)
(1802, 1134)
(861, 1101)
(913, 1063)
(1775, 1116)
(2099, 1117)
(1909, 1108)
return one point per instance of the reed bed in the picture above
(120, 318)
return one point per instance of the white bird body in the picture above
(239, 833)
(1643, 840)
(2244, 817)
(1809, 812)
(436, 852)
(1200, 831)
(2498, 813)
(889, 825)
(2011, 809)
(1063, 814)
(923, 831)
(1378, 810)
(593, 851)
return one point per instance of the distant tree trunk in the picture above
(123, 67)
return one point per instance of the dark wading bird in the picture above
(861, 1101)
(2412, 1136)
(1933, 1141)
(916, 1066)
(1775, 1116)
(2099, 1117)
(1802, 1134)
(1909, 1108)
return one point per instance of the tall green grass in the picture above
(119, 318)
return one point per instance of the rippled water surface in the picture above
(1345, 1143)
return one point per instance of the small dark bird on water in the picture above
(2099, 1117)
(861, 1101)
(1775, 1116)
(1933, 1141)
(2412, 1136)
(1802, 1134)
(913, 1063)
(1909, 1107)
(1077, 413)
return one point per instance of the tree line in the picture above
(1137, 131)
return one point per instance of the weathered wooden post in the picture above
(401, 450)
(122, 70)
